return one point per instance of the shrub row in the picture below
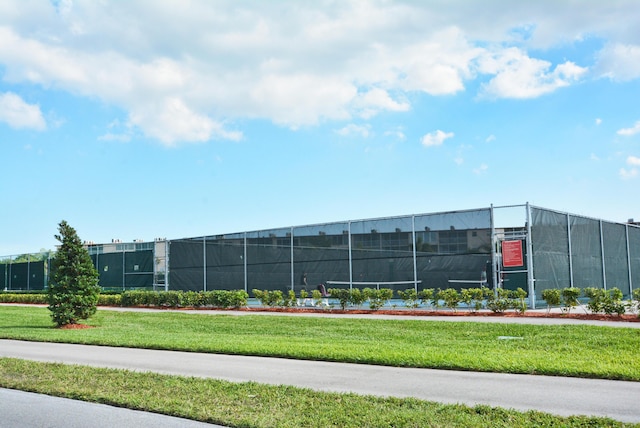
(195, 299)
(173, 299)
(41, 298)
(600, 301)
(474, 299)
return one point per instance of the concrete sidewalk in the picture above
(557, 395)
(26, 409)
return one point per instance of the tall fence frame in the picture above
(460, 249)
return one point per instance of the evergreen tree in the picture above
(73, 292)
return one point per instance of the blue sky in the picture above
(145, 119)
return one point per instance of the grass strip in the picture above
(562, 350)
(255, 405)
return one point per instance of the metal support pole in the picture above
(415, 261)
(204, 263)
(626, 230)
(494, 250)
(28, 272)
(246, 280)
(604, 265)
(167, 254)
(350, 259)
(292, 271)
(124, 278)
(530, 279)
(570, 251)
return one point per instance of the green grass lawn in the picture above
(569, 350)
(254, 405)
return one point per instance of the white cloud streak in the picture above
(627, 132)
(619, 62)
(19, 114)
(436, 138)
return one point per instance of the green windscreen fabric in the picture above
(615, 256)
(138, 269)
(4, 276)
(550, 242)
(225, 264)
(634, 255)
(186, 258)
(586, 252)
(110, 269)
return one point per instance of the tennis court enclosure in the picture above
(511, 246)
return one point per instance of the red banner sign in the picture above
(512, 254)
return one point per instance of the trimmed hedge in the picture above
(182, 299)
(41, 298)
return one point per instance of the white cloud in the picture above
(490, 138)
(375, 100)
(598, 121)
(354, 130)
(627, 174)
(627, 132)
(619, 62)
(19, 114)
(185, 74)
(398, 134)
(481, 169)
(109, 136)
(435, 138)
(519, 76)
(633, 160)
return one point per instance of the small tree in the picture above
(74, 291)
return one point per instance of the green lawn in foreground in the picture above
(255, 405)
(570, 350)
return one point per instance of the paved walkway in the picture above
(26, 409)
(558, 395)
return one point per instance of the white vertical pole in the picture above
(604, 265)
(28, 272)
(166, 265)
(626, 230)
(292, 272)
(204, 263)
(415, 261)
(246, 278)
(570, 251)
(494, 249)
(530, 278)
(350, 259)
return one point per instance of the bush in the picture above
(426, 296)
(269, 298)
(570, 298)
(343, 296)
(410, 297)
(357, 297)
(519, 302)
(378, 297)
(451, 298)
(499, 301)
(110, 300)
(607, 301)
(26, 298)
(552, 297)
